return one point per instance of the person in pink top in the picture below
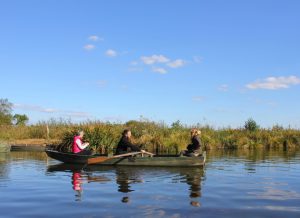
(78, 146)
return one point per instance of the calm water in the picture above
(232, 184)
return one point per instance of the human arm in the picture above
(81, 145)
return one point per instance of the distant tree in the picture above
(177, 125)
(5, 112)
(251, 125)
(20, 119)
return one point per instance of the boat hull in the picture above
(155, 161)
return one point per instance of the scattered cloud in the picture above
(36, 108)
(124, 87)
(160, 70)
(101, 83)
(154, 59)
(265, 102)
(77, 114)
(198, 98)
(135, 69)
(274, 83)
(198, 59)
(177, 63)
(223, 88)
(134, 63)
(95, 38)
(89, 47)
(111, 53)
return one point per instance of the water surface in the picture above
(232, 184)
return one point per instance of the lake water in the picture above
(232, 184)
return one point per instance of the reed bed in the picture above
(155, 137)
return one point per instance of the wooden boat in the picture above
(4, 147)
(138, 160)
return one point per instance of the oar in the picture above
(149, 153)
(95, 160)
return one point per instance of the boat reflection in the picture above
(126, 177)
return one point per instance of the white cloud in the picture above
(223, 88)
(159, 70)
(89, 47)
(197, 59)
(134, 63)
(154, 59)
(135, 69)
(40, 109)
(273, 83)
(77, 114)
(111, 53)
(177, 63)
(35, 108)
(101, 83)
(198, 98)
(95, 38)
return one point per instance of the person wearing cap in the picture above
(193, 149)
(78, 146)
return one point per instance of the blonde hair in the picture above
(195, 132)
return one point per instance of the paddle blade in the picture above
(96, 160)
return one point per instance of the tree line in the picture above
(7, 117)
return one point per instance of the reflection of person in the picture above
(193, 178)
(124, 180)
(193, 149)
(76, 182)
(125, 144)
(78, 146)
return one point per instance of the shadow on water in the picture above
(126, 177)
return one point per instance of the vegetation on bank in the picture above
(156, 137)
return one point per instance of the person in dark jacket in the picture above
(193, 149)
(125, 145)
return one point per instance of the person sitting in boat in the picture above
(193, 149)
(125, 145)
(78, 146)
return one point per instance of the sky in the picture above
(210, 62)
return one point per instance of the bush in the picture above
(251, 125)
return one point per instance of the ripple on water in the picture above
(228, 186)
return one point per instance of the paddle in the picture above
(95, 160)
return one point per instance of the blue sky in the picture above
(211, 62)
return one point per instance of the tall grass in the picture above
(156, 137)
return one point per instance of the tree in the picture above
(5, 112)
(177, 125)
(251, 125)
(20, 119)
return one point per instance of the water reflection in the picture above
(126, 177)
(4, 157)
(79, 177)
(233, 184)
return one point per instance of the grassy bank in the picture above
(153, 136)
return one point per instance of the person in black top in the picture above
(125, 145)
(193, 149)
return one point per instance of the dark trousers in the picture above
(85, 152)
